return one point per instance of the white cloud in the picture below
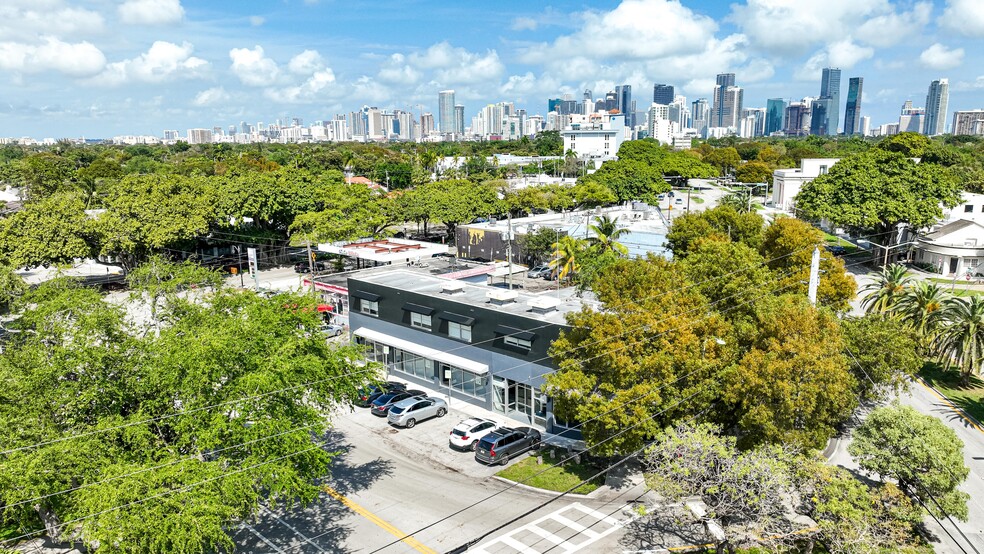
(892, 28)
(450, 66)
(938, 56)
(315, 88)
(964, 86)
(635, 30)
(211, 97)
(256, 20)
(844, 54)
(151, 12)
(252, 67)
(164, 61)
(524, 24)
(47, 18)
(964, 16)
(306, 63)
(790, 28)
(80, 59)
(396, 69)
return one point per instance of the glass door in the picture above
(499, 394)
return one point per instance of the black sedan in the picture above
(367, 395)
(382, 404)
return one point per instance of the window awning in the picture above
(418, 309)
(518, 333)
(423, 351)
(366, 295)
(462, 319)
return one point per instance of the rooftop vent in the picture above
(501, 297)
(453, 287)
(543, 305)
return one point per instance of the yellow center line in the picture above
(409, 541)
(955, 409)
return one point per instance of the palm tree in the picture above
(888, 288)
(740, 200)
(607, 232)
(567, 252)
(961, 340)
(921, 306)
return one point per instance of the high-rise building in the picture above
(459, 119)
(775, 113)
(199, 136)
(700, 116)
(830, 88)
(611, 101)
(852, 112)
(865, 125)
(819, 112)
(936, 103)
(798, 118)
(911, 120)
(730, 109)
(623, 94)
(553, 104)
(968, 122)
(718, 110)
(445, 110)
(753, 120)
(426, 123)
(663, 94)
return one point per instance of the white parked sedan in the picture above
(467, 433)
(406, 413)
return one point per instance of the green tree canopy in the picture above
(53, 229)
(883, 354)
(921, 453)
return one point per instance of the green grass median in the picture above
(528, 472)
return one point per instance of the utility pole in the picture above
(814, 277)
(307, 242)
(509, 236)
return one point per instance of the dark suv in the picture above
(370, 393)
(504, 443)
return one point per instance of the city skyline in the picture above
(90, 68)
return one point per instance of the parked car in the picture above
(836, 249)
(499, 446)
(466, 434)
(538, 271)
(382, 404)
(678, 201)
(305, 267)
(408, 412)
(332, 329)
(369, 394)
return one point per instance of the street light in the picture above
(703, 345)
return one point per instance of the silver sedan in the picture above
(407, 413)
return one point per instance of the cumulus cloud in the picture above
(397, 69)
(844, 54)
(164, 61)
(81, 59)
(256, 20)
(211, 97)
(635, 29)
(252, 67)
(524, 24)
(317, 86)
(53, 18)
(964, 16)
(447, 65)
(964, 86)
(306, 63)
(938, 56)
(151, 12)
(790, 28)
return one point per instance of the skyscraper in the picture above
(830, 88)
(445, 111)
(623, 94)
(819, 112)
(700, 114)
(969, 122)
(852, 112)
(936, 101)
(730, 109)
(459, 119)
(724, 81)
(775, 113)
(663, 94)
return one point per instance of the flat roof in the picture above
(386, 250)
(563, 301)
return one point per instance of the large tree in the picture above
(883, 353)
(875, 190)
(723, 221)
(919, 452)
(51, 230)
(160, 442)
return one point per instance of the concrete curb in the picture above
(960, 411)
(544, 492)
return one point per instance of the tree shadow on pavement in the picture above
(315, 528)
(665, 528)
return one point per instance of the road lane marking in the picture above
(408, 540)
(292, 528)
(262, 538)
(512, 540)
(955, 409)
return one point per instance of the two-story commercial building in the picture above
(483, 345)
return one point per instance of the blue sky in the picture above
(99, 68)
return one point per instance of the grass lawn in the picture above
(970, 397)
(957, 289)
(696, 199)
(557, 479)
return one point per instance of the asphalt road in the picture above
(378, 493)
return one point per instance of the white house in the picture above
(955, 249)
(597, 135)
(786, 183)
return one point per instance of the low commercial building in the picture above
(486, 346)
(787, 183)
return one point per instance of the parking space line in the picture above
(574, 525)
(292, 528)
(409, 541)
(262, 537)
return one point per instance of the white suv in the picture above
(467, 433)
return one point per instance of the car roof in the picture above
(472, 422)
(407, 402)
